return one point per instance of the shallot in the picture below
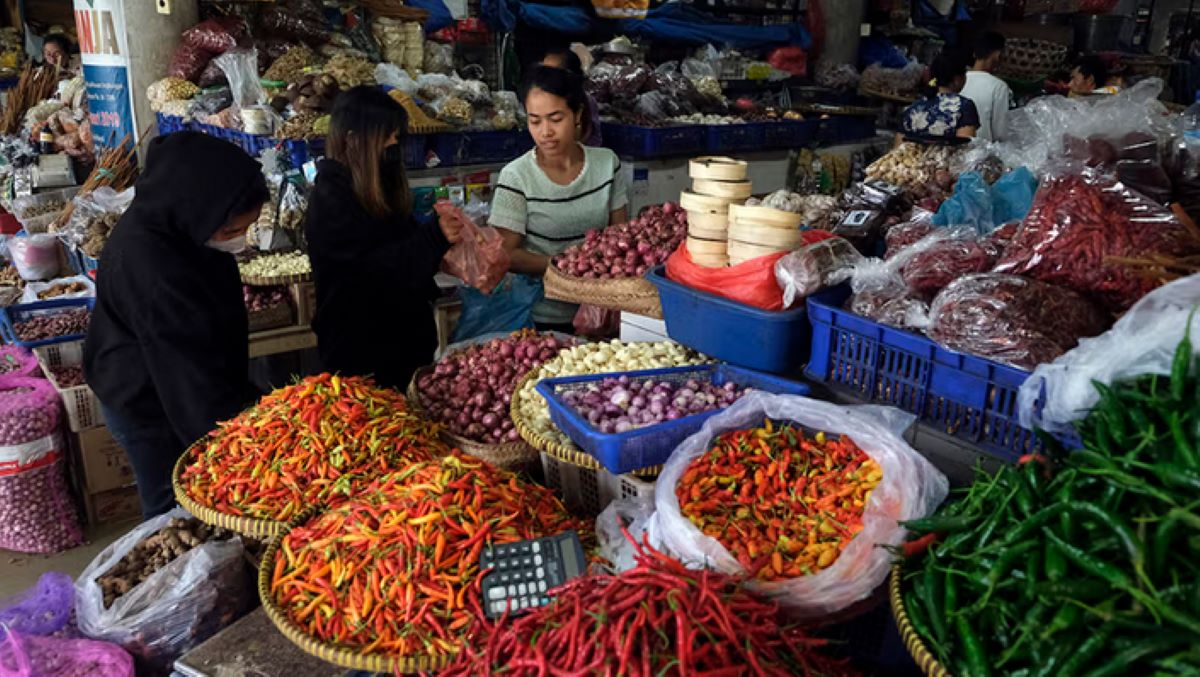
(628, 249)
(53, 325)
(618, 404)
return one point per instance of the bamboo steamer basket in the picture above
(766, 237)
(740, 252)
(734, 190)
(706, 234)
(765, 216)
(706, 247)
(709, 221)
(694, 202)
(718, 168)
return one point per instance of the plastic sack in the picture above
(1012, 319)
(35, 256)
(950, 254)
(793, 60)
(1082, 218)
(175, 609)
(1012, 196)
(1143, 341)
(188, 62)
(911, 488)
(18, 361)
(970, 205)
(23, 655)
(814, 267)
(241, 69)
(298, 26)
(908, 233)
(633, 514)
(751, 282)
(43, 609)
(596, 322)
(508, 308)
(480, 258)
(217, 35)
(391, 75)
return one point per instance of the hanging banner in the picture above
(104, 49)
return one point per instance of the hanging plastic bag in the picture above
(23, 655)
(596, 322)
(43, 609)
(175, 609)
(1142, 342)
(911, 488)
(751, 282)
(1012, 196)
(508, 308)
(970, 205)
(241, 69)
(814, 267)
(479, 258)
(35, 256)
(632, 514)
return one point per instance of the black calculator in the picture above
(523, 573)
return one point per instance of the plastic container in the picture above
(82, 405)
(790, 133)
(652, 445)
(588, 492)
(465, 148)
(19, 313)
(726, 139)
(41, 224)
(970, 398)
(169, 124)
(776, 342)
(644, 143)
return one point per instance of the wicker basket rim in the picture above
(921, 654)
(279, 281)
(247, 526)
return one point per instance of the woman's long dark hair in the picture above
(948, 66)
(557, 81)
(363, 120)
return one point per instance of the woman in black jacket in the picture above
(166, 352)
(372, 264)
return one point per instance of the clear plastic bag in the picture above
(1143, 341)
(43, 609)
(217, 35)
(188, 62)
(908, 233)
(911, 488)
(1012, 319)
(23, 655)
(632, 514)
(35, 256)
(175, 609)
(950, 254)
(814, 267)
(480, 258)
(30, 295)
(241, 69)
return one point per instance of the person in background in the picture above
(166, 352)
(943, 112)
(563, 57)
(547, 199)
(991, 95)
(56, 51)
(372, 263)
(1091, 77)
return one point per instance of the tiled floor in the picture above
(19, 571)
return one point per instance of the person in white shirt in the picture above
(991, 95)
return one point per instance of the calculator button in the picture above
(541, 572)
(503, 578)
(496, 593)
(512, 590)
(524, 547)
(537, 560)
(528, 561)
(541, 586)
(537, 546)
(522, 589)
(498, 607)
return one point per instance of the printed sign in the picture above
(105, 54)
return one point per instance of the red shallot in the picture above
(628, 249)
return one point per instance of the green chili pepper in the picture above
(1117, 525)
(1181, 365)
(1122, 663)
(946, 524)
(976, 661)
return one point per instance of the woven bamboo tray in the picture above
(246, 526)
(344, 656)
(567, 453)
(887, 96)
(509, 455)
(279, 281)
(912, 641)
(630, 294)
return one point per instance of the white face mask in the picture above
(234, 246)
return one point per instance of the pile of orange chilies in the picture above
(307, 443)
(784, 504)
(395, 570)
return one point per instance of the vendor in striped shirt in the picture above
(547, 199)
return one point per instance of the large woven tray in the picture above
(912, 641)
(630, 294)
(562, 452)
(509, 456)
(246, 526)
(344, 656)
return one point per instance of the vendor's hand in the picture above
(451, 227)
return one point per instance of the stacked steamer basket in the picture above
(718, 184)
(760, 231)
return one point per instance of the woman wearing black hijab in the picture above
(166, 352)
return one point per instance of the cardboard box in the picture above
(113, 506)
(105, 466)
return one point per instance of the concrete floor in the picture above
(19, 571)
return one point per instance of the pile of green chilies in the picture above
(1084, 563)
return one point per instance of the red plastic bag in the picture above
(596, 322)
(479, 259)
(752, 282)
(792, 60)
(188, 62)
(216, 36)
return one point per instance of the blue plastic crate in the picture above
(724, 139)
(19, 313)
(169, 124)
(790, 133)
(772, 341)
(645, 143)
(649, 446)
(970, 398)
(465, 148)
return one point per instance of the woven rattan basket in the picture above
(509, 455)
(344, 656)
(246, 526)
(276, 281)
(630, 294)
(1026, 58)
(912, 641)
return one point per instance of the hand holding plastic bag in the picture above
(911, 488)
(479, 258)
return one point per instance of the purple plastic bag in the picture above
(31, 656)
(43, 609)
(18, 361)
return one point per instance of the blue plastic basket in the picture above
(790, 133)
(772, 341)
(736, 138)
(649, 446)
(970, 398)
(645, 143)
(19, 313)
(465, 148)
(169, 124)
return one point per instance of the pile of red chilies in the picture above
(658, 618)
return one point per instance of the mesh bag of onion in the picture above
(43, 609)
(24, 655)
(36, 514)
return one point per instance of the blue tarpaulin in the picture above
(439, 14)
(681, 23)
(566, 20)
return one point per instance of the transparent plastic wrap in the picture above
(35, 256)
(93, 218)
(840, 76)
(1060, 393)
(480, 258)
(82, 283)
(632, 514)
(902, 81)
(43, 609)
(241, 69)
(1083, 217)
(187, 63)
(628, 81)
(438, 58)
(217, 35)
(814, 267)
(212, 76)
(881, 293)
(179, 606)
(953, 253)
(23, 655)
(1012, 319)
(211, 102)
(169, 89)
(910, 488)
(432, 86)
(283, 22)
(902, 235)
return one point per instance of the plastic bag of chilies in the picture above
(479, 258)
